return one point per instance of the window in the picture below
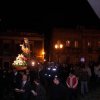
(38, 44)
(1, 62)
(89, 44)
(31, 47)
(6, 65)
(76, 44)
(6, 48)
(99, 44)
(67, 43)
(1, 49)
(18, 48)
(37, 47)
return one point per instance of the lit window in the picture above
(68, 43)
(89, 44)
(76, 44)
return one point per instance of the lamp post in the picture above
(58, 47)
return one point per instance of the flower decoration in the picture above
(20, 61)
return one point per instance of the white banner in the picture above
(95, 4)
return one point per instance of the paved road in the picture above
(93, 95)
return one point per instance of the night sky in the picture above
(43, 17)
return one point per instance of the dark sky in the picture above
(41, 17)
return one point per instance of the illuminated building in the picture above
(77, 43)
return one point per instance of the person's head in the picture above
(24, 77)
(72, 72)
(27, 71)
(56, 81)
(14, 70)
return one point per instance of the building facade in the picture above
(78, 45)
(10, 46)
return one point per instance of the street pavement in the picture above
(92, 95)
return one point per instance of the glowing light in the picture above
(44, 59)
(82, 59)
(43, 53)
(49, 75)
(33, 63)
(56, 46)
(56, 76)
(54, 69)
(38, 63)
(61, 46)
(45, 74)
(49, 68)
(67, 43)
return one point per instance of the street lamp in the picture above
(43, 55)
(58, 46)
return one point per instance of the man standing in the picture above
(23, 91)
(58, 90)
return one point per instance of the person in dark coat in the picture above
(58, 91)
(38, 91)
(23, 90)
(16, 78)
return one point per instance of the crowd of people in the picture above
(68, 83)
